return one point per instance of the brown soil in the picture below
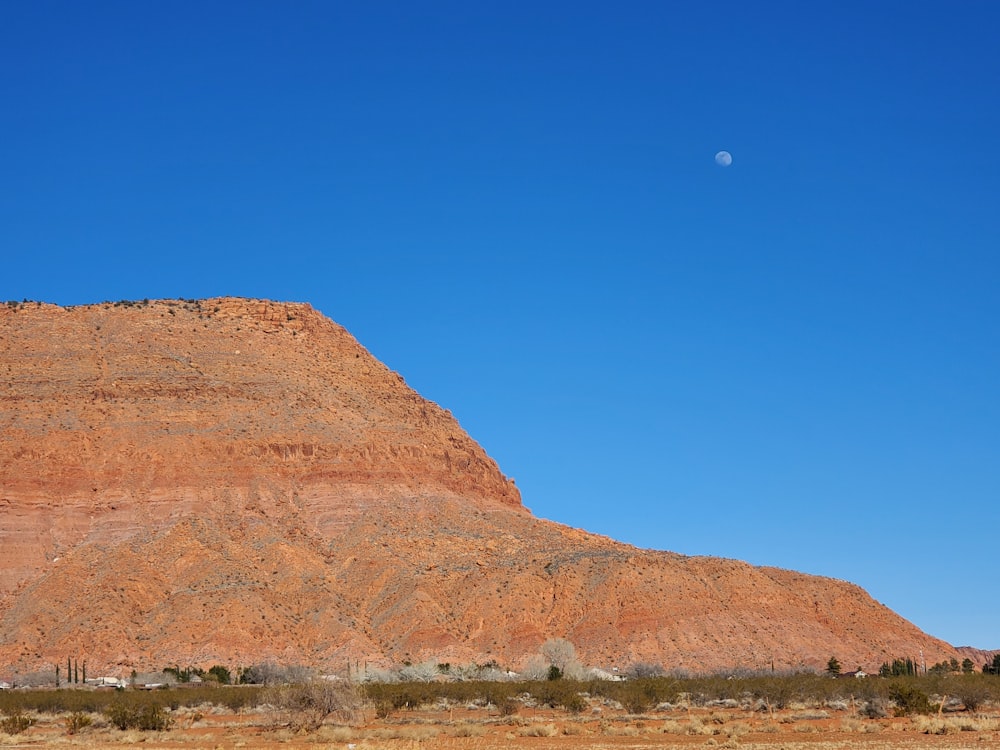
(601, 727)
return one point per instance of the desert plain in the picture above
(597, 723)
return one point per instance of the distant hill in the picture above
(233, 481)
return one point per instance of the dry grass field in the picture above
(600, 724)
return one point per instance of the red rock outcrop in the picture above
(230, 480)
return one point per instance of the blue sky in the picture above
(792, 360)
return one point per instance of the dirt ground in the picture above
(539, 729)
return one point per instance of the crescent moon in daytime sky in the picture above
(723, 158)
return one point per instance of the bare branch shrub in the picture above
(303, 707)
(536, 668)
(424, 672)
(561, 653)
(642, 669)
(269, 673)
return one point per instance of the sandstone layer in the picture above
(232, 481)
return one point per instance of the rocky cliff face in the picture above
(231, 480)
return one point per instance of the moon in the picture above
(723, 158)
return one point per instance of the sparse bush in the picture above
(508, 707)
(850, 725)
(466, 729)
(672, 726)
(574, 703)
(77, 721)
(154, 719)
(972, 690)
(15, 723)
(873, 709)
(539, 730)
(636, 702)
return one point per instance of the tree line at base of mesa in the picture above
(556, 659)
(908, 667)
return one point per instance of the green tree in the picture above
(221, 673)
(833, 666)
(992, 667)
(967, 666)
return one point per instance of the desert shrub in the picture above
(389, 697)
(564, 693)
(148, 717)
(77, 721)
(873, 709)
(15, 723)
(236, 699)
(910, 700)
(413, 695)
(497, 694)
(305, 706)
(972, 696)
(508, 707)
(544, 693)
(153, 718)
(382, 708)
(121, 714)
(973, 690)
(466, 729)
(54, 701)
(636, 702)
(574, 703)
(672, 726)
(776, 692)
